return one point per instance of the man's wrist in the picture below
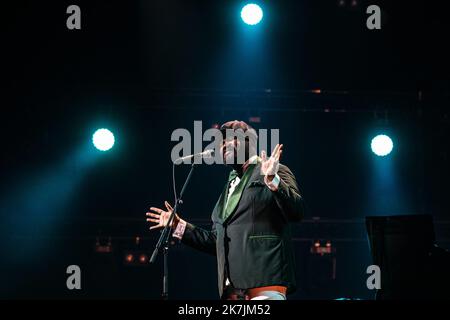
(273, 183)
(175, 222)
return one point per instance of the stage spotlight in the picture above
(382, 145)
(103, 139)
(129, 258)
(251, 14)
(143, 258)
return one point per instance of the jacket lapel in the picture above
(234, 199)
(218, 210)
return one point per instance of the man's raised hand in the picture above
(270, 166)
(160, 217)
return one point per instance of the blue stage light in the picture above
(251, 14)
(103, 139)
(382, 145)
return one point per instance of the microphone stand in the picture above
(165, 236)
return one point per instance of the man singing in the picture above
(250, 235)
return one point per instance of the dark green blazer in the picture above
(253, 242)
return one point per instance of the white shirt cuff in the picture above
(273, 185)
(179, 230)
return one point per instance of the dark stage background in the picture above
(145, 68)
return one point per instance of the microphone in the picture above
(205, 154)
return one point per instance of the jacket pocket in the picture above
(265, 236)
